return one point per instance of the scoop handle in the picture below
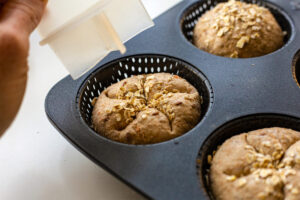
(110, 29)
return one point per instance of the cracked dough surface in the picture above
(238, 30)
(147, 109)
(261, 164)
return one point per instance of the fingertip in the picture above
(24, 15)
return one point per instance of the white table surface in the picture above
(36, 162)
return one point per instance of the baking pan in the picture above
(239, 95)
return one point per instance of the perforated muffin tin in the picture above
(239, 95)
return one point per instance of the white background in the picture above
(36, 162)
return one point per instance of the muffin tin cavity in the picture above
(126, 67)
(190, 16)
(235, 127)
(296, 68)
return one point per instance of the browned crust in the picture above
(147, 109)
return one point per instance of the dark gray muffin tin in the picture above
(239, 95)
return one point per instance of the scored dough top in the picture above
(147, 109)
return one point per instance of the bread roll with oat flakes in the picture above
(238, 30)
(147, 109)
(261, 164)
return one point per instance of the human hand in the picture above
(18, 18)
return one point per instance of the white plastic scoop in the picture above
(82, 32)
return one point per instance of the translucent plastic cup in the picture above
(82, 32)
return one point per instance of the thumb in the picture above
(22, 15)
